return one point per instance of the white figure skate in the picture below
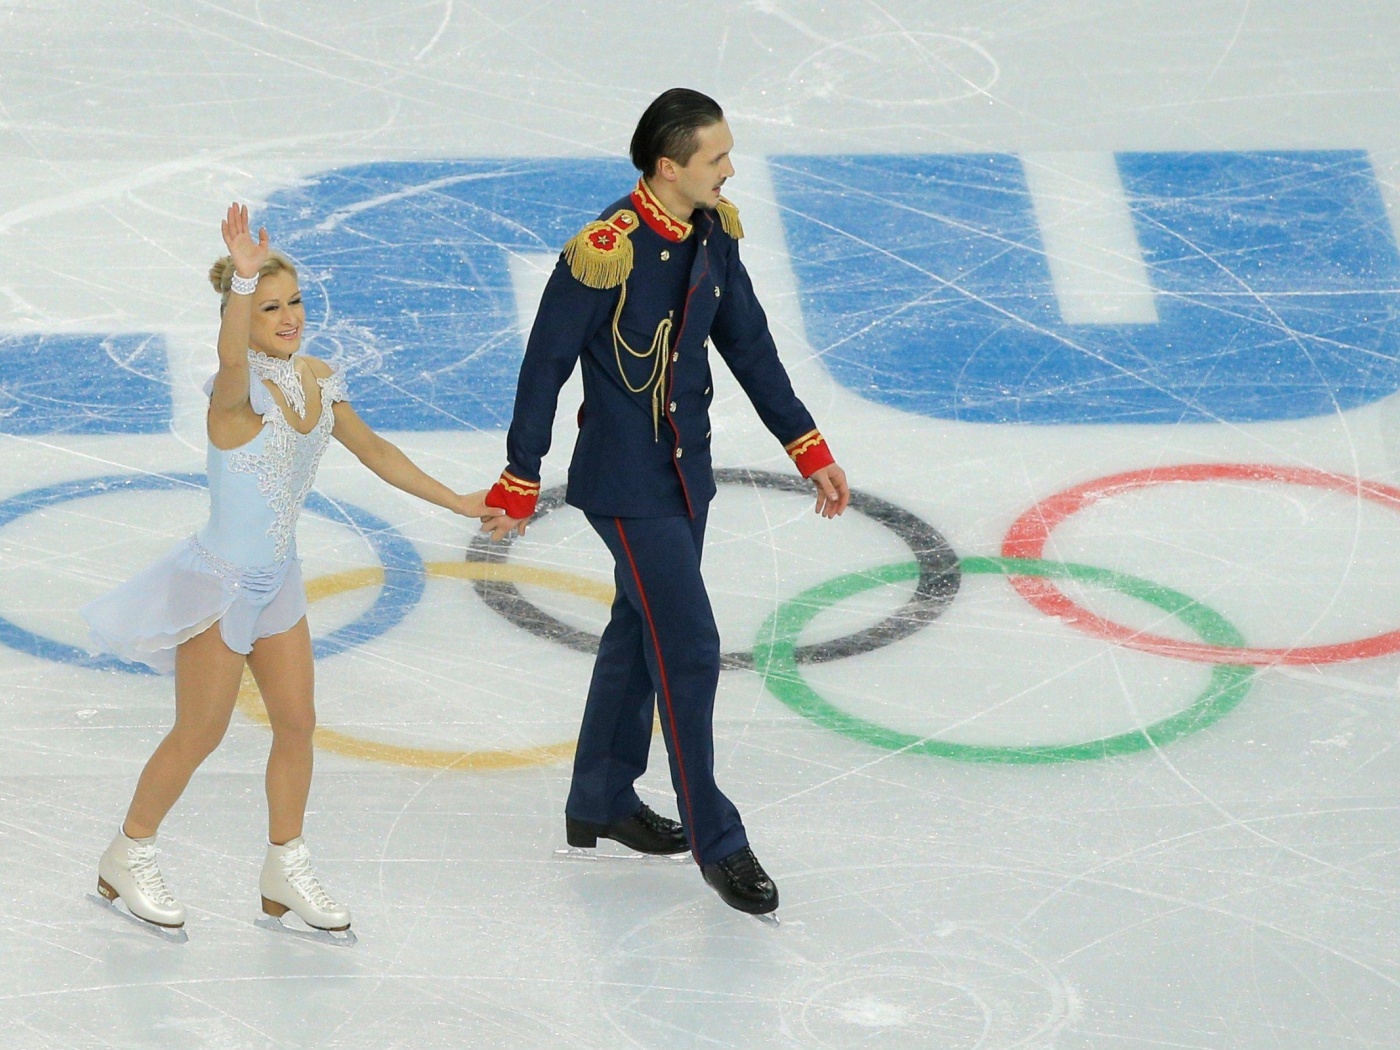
(288, 884)
(128, 872)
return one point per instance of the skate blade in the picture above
(165, 933)
(771, 919)
(576, 853)
(336, 938)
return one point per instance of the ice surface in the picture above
(1006, 249)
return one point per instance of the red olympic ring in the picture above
(1029, 533)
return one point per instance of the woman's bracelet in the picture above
(240, 285)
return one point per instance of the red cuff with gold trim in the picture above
(515, 496)
(810, 452)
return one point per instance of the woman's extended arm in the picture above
(388, 461)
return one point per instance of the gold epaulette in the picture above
(729, 218)
(600, 255)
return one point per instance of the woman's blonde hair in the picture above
(221, 273)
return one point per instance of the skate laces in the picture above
(744, 866)
(296, 866)
(141, 862)
(653, 821)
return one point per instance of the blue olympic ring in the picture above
(404, 575)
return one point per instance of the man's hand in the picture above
(832, 491)
(499, 524)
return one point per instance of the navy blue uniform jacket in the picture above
(643, 446)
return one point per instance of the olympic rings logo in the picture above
(935, 582)
(934, 570)
(1028, 535)
(937, 571)
(775, 657)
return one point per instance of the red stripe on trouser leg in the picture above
(665, 687)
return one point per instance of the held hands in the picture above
(248, 255)
(472, 504)
(833, 494)
(493, 519)
(500, 525)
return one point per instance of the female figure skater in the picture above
(233, 594)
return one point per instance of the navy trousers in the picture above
(660, 651)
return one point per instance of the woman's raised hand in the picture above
(248, 255)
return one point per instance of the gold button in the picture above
(678, 452)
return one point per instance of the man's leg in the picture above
(658, 570)
(615, 737)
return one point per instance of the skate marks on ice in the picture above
(574, 853)
(959, 986)
(963, 988)
(1108, 288)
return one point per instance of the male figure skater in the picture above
(634, 297)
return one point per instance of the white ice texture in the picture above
(1007, 250)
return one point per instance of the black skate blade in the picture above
(335, 938)
(576, 853)
(164, 933)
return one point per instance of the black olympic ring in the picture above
(934, 590)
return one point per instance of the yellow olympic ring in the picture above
(250, 700)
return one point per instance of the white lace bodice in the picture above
(256, 491)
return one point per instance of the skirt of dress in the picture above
(186, 592)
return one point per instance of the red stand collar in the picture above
(655, 215)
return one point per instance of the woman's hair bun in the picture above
(221, 273)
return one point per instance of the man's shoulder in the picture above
(623, 203)
(728, 214)
(600, 255)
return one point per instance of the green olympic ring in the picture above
(773, 658)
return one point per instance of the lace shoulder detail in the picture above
(333, 386)
(261, 401)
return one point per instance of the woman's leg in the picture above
(285, 672)
(207, 673)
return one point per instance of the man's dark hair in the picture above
(668, 128)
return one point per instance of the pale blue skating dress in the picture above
(241, 570)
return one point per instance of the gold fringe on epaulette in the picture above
(729, 218)
(593, 266)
